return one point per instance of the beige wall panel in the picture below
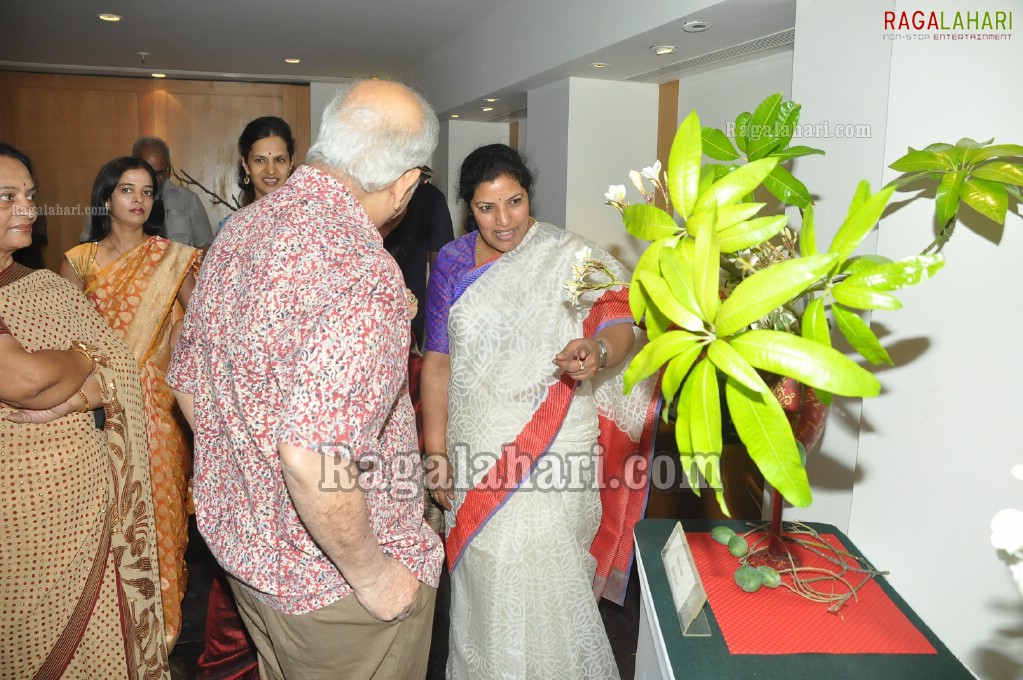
(70, 131)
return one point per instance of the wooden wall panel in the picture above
(71, 125)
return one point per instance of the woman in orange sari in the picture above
(140, 284)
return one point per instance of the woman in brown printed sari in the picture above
(140, 284)
(77, 549)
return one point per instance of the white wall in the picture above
(719, 94)
(461, 138)
(840, 77)
(585, 135)
(932, 456)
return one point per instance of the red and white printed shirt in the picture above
(298, 333)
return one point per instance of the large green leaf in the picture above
(684, 165)
(863, 263)
(946, 199)
(764, 429)
(741, 130)
(648, 222)
(649, 261)
(716, 145)
(808, 362)
(683, 419)
(894, 275)
(860, 220)
(660, 295)
(807, 234)
(748, 234)
(795, 152)
(862, 297)
(706, 266)
(724, 217)
(657, 324)
(927, 161)
(677, 370)
(705, 410)
(1004, 150)
(858, 334)
(1001, 171)
(655, 354)
(762, 133)
(788, 122)
(731, 363)
(988, 198)
(736, 184)
(711, 173)
(677, 273)
(815, 323)
(784, 186)
(767, 289)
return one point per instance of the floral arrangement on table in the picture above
(732, 299)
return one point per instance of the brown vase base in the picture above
(778, 558)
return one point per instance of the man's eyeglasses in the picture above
(425, 174)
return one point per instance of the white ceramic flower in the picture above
(1007, 530)
(615, 193)
(637, 181)
(653, 173)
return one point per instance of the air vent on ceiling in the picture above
(768, 42)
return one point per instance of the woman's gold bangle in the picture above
(92, 362)
(86, 406)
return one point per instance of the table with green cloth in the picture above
(774, 634)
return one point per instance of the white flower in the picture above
(615, 193)
(1007, 530)
(583, 255)
(637, 181)
(653, 173)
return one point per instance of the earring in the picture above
(246, 180)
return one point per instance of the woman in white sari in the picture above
(533, 449)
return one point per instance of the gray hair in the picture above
(150, 143)
(369, 144)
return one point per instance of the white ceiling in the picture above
(235, 40)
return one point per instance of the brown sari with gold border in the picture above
(78, 569)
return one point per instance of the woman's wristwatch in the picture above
(603, 353)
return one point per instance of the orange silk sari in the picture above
(136, 295)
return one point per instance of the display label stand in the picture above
(686, 587)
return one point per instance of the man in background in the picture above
(292, 370)
(414, 238)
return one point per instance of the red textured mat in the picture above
(779, 621)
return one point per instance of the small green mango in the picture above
(722, 534)
(771, 578)
(738, 546)
(748, 578)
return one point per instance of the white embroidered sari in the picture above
(522, 603)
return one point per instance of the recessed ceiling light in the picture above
(695, 26)
(661, 50)
(109, 17)
(455, 115)
(292, 60)
(599, 64)
(159, 75)
(492, 99)
(488, 108)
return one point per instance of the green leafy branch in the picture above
(712, 288)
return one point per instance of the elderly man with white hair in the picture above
(292, 369)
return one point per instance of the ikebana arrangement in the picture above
(736, 303)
